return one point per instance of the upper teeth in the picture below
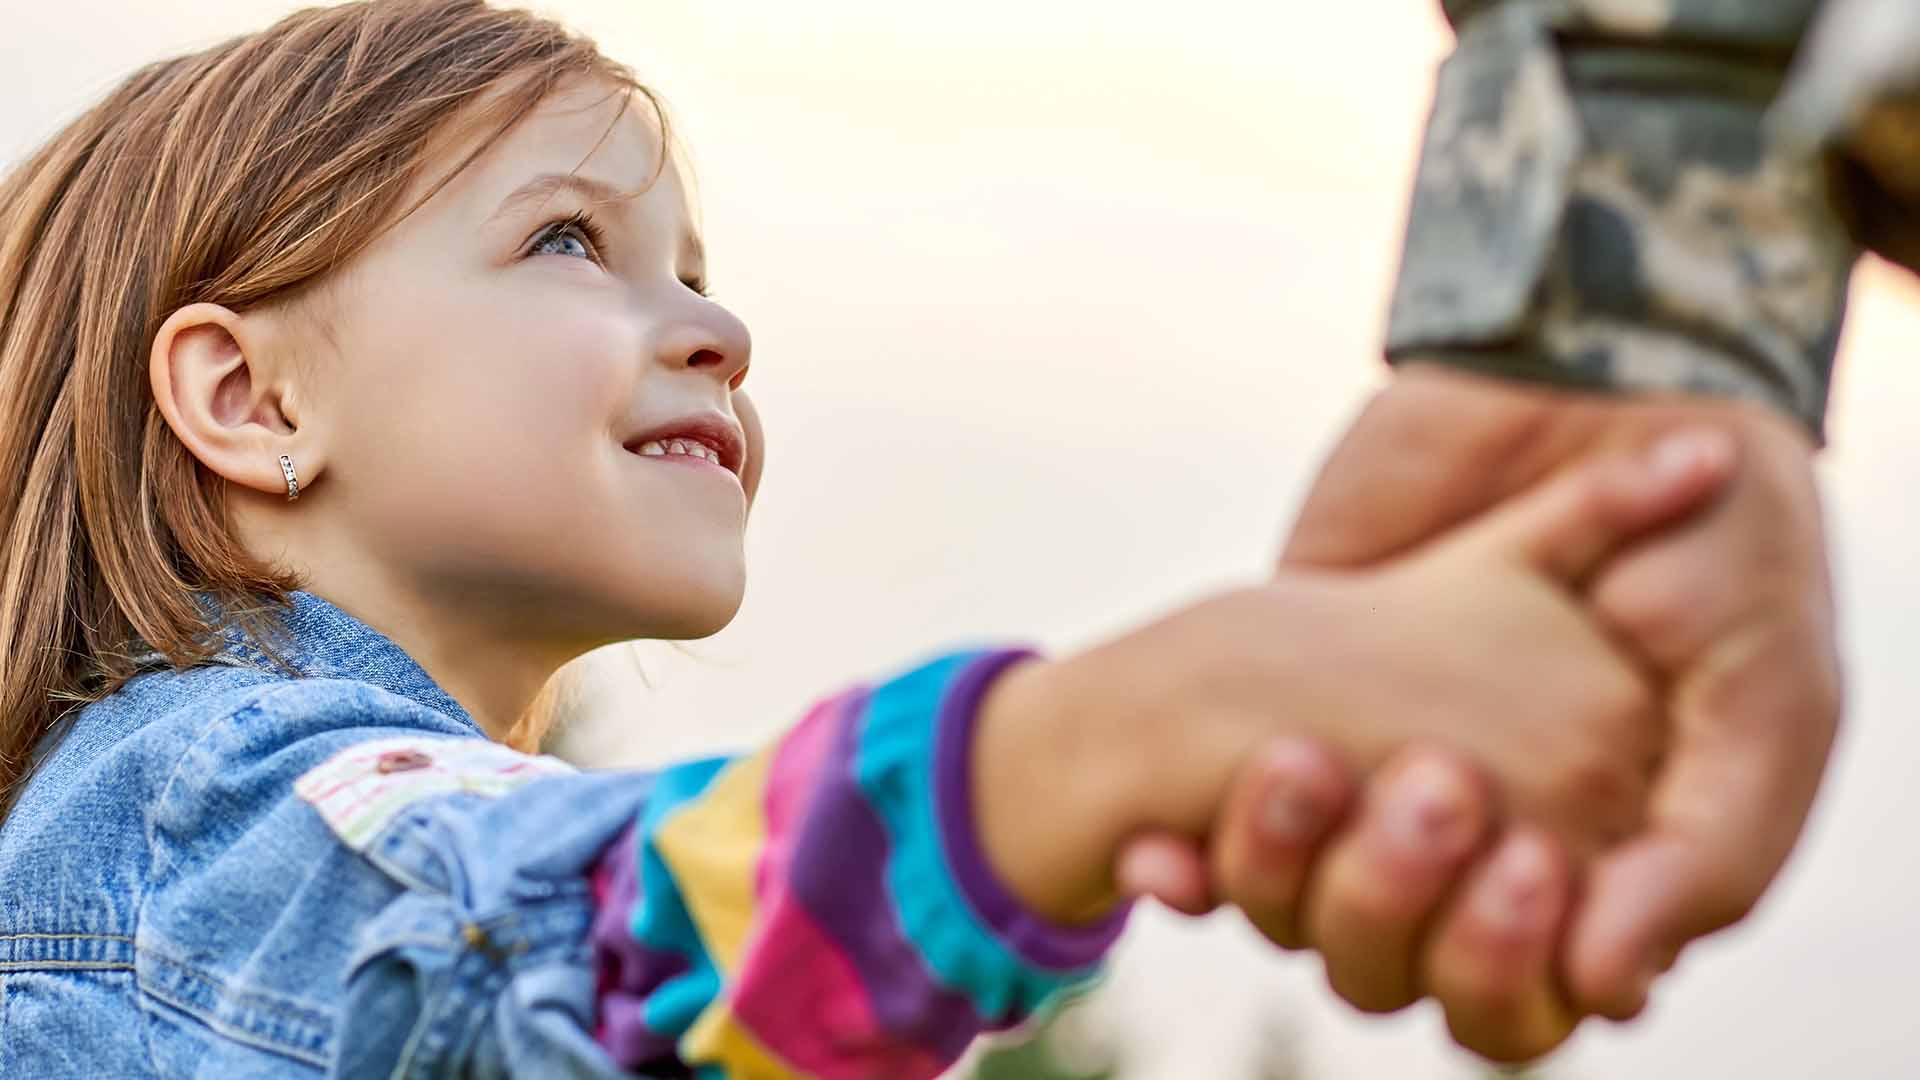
(656, 447)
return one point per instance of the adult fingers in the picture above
(1421, 818)
(1168, 867)
(1269, 829)
(1281, 803)
(1490, 961)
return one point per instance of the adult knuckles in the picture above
(1491, 1009)
(1480, 1000)
(1504, 1039)
(1386, 896)
(1257, 876)
(1278, 923)
(1367, 990)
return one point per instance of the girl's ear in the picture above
(222, 403)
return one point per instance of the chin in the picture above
(701, 624)
(695, 612)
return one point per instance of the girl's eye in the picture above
(580, 225)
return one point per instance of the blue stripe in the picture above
(660, 919)
(894, 767)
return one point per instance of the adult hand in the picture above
(1734, 610)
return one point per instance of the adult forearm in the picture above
(1598, 206)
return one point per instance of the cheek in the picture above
(550, 367)
(561, 369)
(509, 408)
(756, 443)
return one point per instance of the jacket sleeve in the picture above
(821, 908)
(345, 879)
(1599, 205)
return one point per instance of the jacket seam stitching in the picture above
(224, 1029)
(249, 997)
(64, 965)
(147, 1019)
(61, 936)
(252, 705)
(255, 1002)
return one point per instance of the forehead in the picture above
(591, 127)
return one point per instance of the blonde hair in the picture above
(242, 175)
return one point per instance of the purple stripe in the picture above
(840, 868)
(625, 970)
(1038, 941)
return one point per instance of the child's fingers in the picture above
(1570, 523)
(1282, 805)
(1421, 819)
(1490, 961)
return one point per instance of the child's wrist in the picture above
(1039, 826)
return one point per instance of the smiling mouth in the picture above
(678, 447)
(698, 456)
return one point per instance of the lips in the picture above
(716, 431)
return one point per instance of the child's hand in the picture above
(1478, 642)
(1474, 640)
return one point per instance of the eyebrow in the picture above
(546, 185)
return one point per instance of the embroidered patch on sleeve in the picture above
(360, 788)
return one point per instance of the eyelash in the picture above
(596, 236)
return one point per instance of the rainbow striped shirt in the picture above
(821, 908)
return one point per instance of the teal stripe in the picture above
(894, 768)
(660, 920)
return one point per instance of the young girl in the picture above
(357, 374)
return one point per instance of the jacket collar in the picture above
(322, 641)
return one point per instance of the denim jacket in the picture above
(232, 871)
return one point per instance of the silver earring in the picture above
(293, 486)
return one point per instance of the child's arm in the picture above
(345, 881)
(822, 908)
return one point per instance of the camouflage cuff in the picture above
(1746, 26)
(1604, 213)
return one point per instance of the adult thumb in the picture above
(1569, 524)
(1751, 735)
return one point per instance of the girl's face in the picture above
(491, 369)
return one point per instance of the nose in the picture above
(713, 340)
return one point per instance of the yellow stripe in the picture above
(712, 846)
(718, 1039)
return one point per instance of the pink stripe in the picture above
(797, 993)
(793, 775)
(801, 998)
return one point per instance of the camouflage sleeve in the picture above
(1597, 206)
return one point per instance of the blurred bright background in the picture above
(1056, 307)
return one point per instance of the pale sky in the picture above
(1056, 306)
